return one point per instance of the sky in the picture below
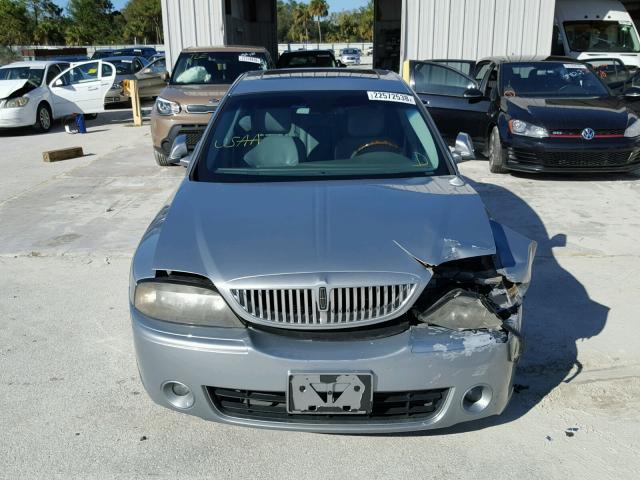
(334, 5)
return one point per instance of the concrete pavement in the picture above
(73, 405)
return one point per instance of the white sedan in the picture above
(34, 93)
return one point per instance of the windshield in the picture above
(34, 75)
(601, 36)
(550, 79)
(200, 68)
(349, 51)
(319, 134)
(123, 67)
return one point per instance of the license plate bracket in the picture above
(313, 393)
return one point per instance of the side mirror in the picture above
(464, 147)
(473, 94)
(179, 152)
(632, 93)
(165, 76)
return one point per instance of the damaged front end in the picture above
(481, 294)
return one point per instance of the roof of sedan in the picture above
(32, 63)
(225, 48)
(529, 58)
(305, 52)
(121, 58)
(287, 80)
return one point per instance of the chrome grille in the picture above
(343, 306)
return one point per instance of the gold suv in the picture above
(200, 78)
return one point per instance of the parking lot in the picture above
(73, 405)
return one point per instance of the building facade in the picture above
(403, 29)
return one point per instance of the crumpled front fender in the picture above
(514, 254)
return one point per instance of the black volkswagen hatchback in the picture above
(533, 114)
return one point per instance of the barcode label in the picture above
(392, 97)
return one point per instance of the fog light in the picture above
(178, 394)
(476, 399)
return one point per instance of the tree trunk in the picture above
(319, 34)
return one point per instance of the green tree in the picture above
(300, 24)
(319, 9)
(143, 20)
(46, 23)
(14, 23)
(285, 20)
(90, 21)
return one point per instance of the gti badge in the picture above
(588, 134)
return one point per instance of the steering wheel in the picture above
(375, 143)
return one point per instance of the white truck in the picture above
(587, 29)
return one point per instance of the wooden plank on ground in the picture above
(62, 154)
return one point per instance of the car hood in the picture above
(194, 94)
(7, 87)
(229, 231)
(570, 113)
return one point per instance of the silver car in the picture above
(150, 77)
(323, 266)
(350, 56)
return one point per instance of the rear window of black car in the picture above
(302, 60)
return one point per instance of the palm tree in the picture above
(301, 17)
(318, 9)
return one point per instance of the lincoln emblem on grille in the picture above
(322, 299)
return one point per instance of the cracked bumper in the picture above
(417, 359)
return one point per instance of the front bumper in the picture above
(115, 96)
(418, 359)
(18, 117)
(572, 155)
(164, 129)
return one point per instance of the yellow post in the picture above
(406, 72)
(131, 89)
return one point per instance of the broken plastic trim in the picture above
(461, 310)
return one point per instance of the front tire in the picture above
(497, 155)
(43, 118)
(161, 159)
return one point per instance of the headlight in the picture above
(462, 310)
(166, 107)
(518, 127)
(633, 130)
(180, 303)
(16, 102)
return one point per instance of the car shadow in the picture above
(558, 314)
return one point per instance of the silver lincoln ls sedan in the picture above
(323, 266)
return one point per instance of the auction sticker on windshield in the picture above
(391, 97)
(249, 58)
(576, 66)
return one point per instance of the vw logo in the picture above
(588, 134)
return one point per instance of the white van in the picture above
(595, 28)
